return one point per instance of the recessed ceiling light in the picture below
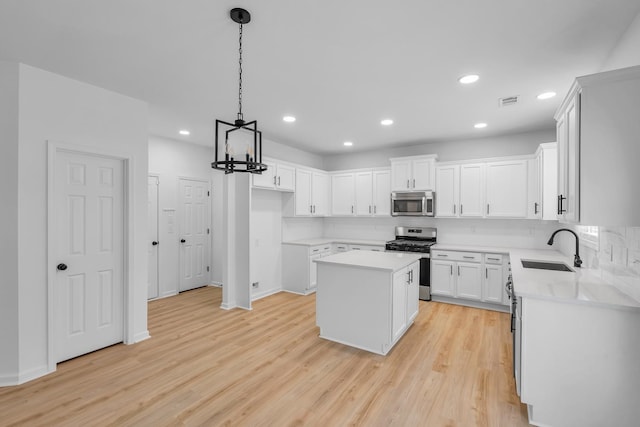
(347, 143)
(184, 132)
(546, 95)
(471, 78)
(289, 119)
(480, 125)
(386, 122)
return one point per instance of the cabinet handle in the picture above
(487, 208)
(493, 259)
(351, 208)
(375, 209)
(443, 255)
(369, 208)
(460, 208)
(310, 208)
(467, 257)
(407, 183)
(274, 180)
(451, 269)
(458, 270)
(560, 199)
(535, 208)
(408, 277)
(314, 208)
(454, 209)
(278, 181)
(414, 183)
(486, 273)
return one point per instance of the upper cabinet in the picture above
(413, 173)
(312, 193)
(598, 150)
(460, 190)
(278, 176)
(507, 189)
(361, 193)
(543, 183)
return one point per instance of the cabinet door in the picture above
(471, 190)
(364, 193)
(286, 177)
(493, 283)
(399, 303)
(468, 280)
(320, 193)
(561, 135)
(413, 292)
(267, 178)
(382, 193)
(303, 192)
(342, 194)
(447, 185)
(572, 162)
(401, 175)
(313, 271)
(423, 173)
(507, 189)
(534, 184)
(442, 278)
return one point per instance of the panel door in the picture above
(364, 193)
(89, 293)
(471, 190)
(153, 284)
(343, 194)
(422, 170)
(447, 187)
(413, 292)
(303, 192)
(442, 278)
(320, 193)
(507, 189)
(194, 234)
(493, 283)
(573, 162)
(399, 303)
(468, 280)
(401, 175)
(286, 177)
(266, 179)
(382, 193)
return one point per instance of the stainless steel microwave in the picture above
(412, 203)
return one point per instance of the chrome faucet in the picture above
(577, 262)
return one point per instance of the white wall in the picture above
(171, 160)
(55, 108)
(9, 362)
(510, 145)
(266, 242)
(627, 50)
(283, 152)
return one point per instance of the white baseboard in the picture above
(263, 294)
(141, 336)
(23, 377)
(226, 306)
(216, 284)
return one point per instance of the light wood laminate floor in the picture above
(207, 366)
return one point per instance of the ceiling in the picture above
(339, 67)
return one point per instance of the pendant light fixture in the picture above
(242, 148)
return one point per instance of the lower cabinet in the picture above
(301, 274)
(468, 276)
(404, 299)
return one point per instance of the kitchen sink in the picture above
(546, 265)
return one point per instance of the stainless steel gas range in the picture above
(420, 240)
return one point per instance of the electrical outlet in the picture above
(255, 284)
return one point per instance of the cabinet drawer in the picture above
(366, 248)
(319, 249)
(493, 258)
(456, 256)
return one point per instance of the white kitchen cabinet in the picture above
(494, 279)
(543, 182)
(507, 189)
(456, 274)
(299, 271)
(413, 173)
(278, 176)
(343, 194)
(361, 193)
(405, 298)
(598, 149)
(460, 190)
(312, 193)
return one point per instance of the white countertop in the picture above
(584, 286)
(392, 261)
(469, 248)
(325, 240)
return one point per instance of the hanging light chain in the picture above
(240, 75)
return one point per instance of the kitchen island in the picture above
(367, 299)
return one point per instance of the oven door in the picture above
(425, 279)
(415, 203)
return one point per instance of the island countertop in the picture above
(392, 261)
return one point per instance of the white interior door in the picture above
(194, 234)
(153, 284)
(89, 283)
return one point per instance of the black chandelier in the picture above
(239, 135)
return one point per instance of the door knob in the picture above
(61, 267)
(154, 243)
(182, 241)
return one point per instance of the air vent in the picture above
(508, 100)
